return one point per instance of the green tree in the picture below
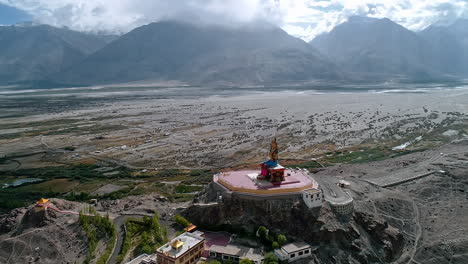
(145, 238)
(215, 262)
(146, 249)
(275, 245)
(181, 220)
(270, 239)
(262, 232)
(282, 239)
(246, 261)
(270, 258)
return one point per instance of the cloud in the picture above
(123, 15)
(308, 18)
(302, 18)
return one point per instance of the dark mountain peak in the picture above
(34, 51)
(241, 54)
(369, 23)
(27, 24)
(373, 46)
(362, 19)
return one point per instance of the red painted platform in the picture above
(240, 181)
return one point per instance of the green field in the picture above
(78, 182)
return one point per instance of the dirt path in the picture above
(119, 229)
(418, 232)
(18, 236)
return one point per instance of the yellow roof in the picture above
(190, 228)
(177, 244)
(42, 201)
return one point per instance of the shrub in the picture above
(275, 245)
(246, 261)
(262, 232)
(282, 240)
(270, 258)
(180, 220)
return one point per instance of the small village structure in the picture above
(186, 248)
(312, 197)
(235, 253)
(42, 204)
(144, 259)
(293, 251)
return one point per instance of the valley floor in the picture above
(169, 142)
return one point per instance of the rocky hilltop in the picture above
(356, 238)
(30, 236)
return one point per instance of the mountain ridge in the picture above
(360, 50)
(34, 52)
(203, 55)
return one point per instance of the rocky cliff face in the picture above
(360, 238)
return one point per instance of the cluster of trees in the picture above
(81, 197)
(270, 258)
(242, 261)
(97, 227)
(148, 233)
(269, 239)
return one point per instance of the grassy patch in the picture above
(182, 188)
(11, 198)
(80, 172)
(77, 182)
(312, 164)
(56, 186)
(365, 155)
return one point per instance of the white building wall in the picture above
(292, 256)
(312, 200)
(300, 254)
(282, 256)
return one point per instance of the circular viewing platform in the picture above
(246, 182)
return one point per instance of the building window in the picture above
(292, 255)
(213, 254)
(225, 257)
(301, 253)
(306, 252)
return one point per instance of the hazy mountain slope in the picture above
(33, 52)
(449, 47)
(253, 54)
(377, 48)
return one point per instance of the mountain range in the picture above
(34, 52)
(252, 54)
(362, 49)
(379, 49)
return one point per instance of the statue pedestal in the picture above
(276, 174)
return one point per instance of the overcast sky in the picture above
(301, 18)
